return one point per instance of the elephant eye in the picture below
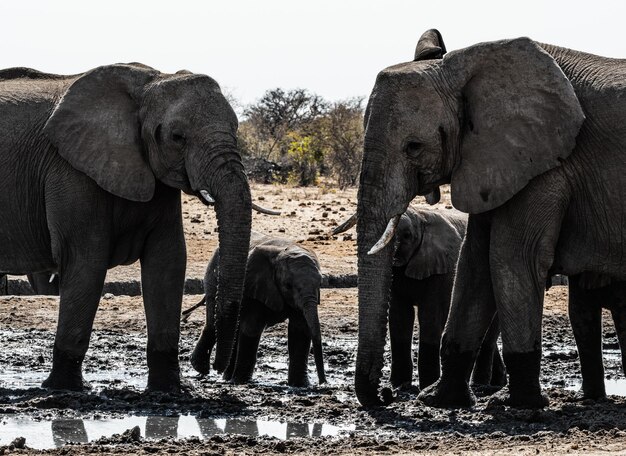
(178, 138)
(413, 149)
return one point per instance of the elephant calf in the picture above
(283, 282)
(427, 245)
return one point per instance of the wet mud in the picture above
(210, 416)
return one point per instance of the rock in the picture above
(19, 443)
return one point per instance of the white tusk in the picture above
(208, 198)
(262, 210)
(52, 276)
(345, 226)
(386, 237)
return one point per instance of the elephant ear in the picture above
(430, 46)
(95, 127)
(439, 248)
(520, 119)
(260, 277)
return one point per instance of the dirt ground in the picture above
(229, 419)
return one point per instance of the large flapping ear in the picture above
(260, 277)
(520, 118)
(429, 46)
(439, 248)
(95, 127)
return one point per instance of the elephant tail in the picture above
(186, 313)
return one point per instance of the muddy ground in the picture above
(212, 417)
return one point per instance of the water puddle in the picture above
(56, 433)
(614, 387)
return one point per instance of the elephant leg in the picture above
(617, 305)
(585, 315)
(521, 255)
(471, 312)
(299, 346)
(489, 368)
(401, 322)
(251, 326)
(432, 312)
(81, 287)
(201, 356)
(163, 264)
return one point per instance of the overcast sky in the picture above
(332, 47)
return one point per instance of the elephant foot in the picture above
(201, 361)
(163, 371)
(448, 394)
(523, 401)
(594, 393)
(524, 390)
(56, 381)
(66, 372)
(299, 382)
(240, 379)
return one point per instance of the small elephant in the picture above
(588, 295)
(283, 282)
(42, 283)
(427, 244)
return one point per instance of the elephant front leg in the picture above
(244, 357)
(471, 312)
(299, 346)
(81, 286)
(585, 315)
(401, 322)
(163, 277)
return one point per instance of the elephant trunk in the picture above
(229, 187)
(313, 322)
(374, 285)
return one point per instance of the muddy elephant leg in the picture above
(432, 311)
(201, 356)
(163, 263)
(251, 326)
(401, 323)
(489, 368)
(617, 305)
(299, 346)
(471, 312)
(585, 314)
(81, 287)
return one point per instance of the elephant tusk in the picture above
(262, 210)
(52, 276)
(386, 237)
(345, 226)
(208, 198)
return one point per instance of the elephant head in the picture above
(486, 119)
(289, 276)
(131, 128)
(427, 243)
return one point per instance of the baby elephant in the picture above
(427, 245)
(283, 282)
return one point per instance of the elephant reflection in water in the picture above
(158, 427)
(68, 430)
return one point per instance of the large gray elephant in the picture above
(283, 281)
(426, 249)
(92, 169)
(531, 138)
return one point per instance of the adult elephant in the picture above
(531, 139)
(92, 168)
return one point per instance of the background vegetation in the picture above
(296, 136)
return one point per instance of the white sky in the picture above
(332, 47)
